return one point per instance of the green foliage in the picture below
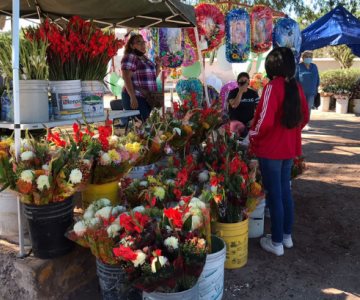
(339, 81)
(343, 55)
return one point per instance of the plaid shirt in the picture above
(144, 72)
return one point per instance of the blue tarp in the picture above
(337, 27)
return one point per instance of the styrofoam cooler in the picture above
(256, 220)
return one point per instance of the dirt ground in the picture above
(325, 261)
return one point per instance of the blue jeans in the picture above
(276, 175)
(144, 107)
(310, 101)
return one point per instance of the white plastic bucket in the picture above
(34, 102)
(92, 94)
(342, 103)
(66, 99)
(140, 171)
(191, 294)
(356, 106)
(8, 213)
(324, 104)
(256, 220)
(211, 281)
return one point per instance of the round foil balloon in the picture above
(211, 27)
(171, 47)
(237, 27)
(192, 71)
(185, 88)
(287, 34)
(261, 28)
(225, 90)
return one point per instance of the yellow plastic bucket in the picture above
(94, 192)
(235, 236)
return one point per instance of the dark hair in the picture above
(281, 62)
(243, 74)
(130, 41)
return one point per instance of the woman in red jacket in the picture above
(275, 138)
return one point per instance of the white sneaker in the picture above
(267, 244)
(288, 243)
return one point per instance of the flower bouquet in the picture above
(111, 156)
(98, 229)
(258, 82)
(298, 167)
(166, 254)
(44, 173)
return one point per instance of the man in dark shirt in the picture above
(242, 103)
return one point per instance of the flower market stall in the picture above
(169, 231)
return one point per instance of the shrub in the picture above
(339, 81)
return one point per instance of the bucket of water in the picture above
(92, 94)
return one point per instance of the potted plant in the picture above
(34, 71)
(46, 177)
(340, 83)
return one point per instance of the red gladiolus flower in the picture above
(177, 193)
(125, 253)
(235, 165)
(174, 216)
(182, 177)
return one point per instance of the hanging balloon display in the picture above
(287, 34)
(192, 71)
(211, 27)
(171, 44)
(225, 90)
(190, 55)
(150, 37)
(261, 28)
(237, 27)
(184, 89)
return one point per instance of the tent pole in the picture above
(15, 29)
(202, 66)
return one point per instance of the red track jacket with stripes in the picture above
(268, 138)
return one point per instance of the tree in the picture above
(343, 55)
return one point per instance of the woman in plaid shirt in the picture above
(139, 74)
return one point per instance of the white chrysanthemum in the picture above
(213, 189)
(118, 210)
(27, 176)
(177, 130)
(170, 181)
(159, 192)
(75, 176)
(27, 155)
(105, 159)
(113, 140)
(197, 203)
(171, 242)
(203, 176)
(104, 212)
(161, 259)
(45, 167)
(79, 228)
(93, 222)
(140, 258)
(113, 230)
(43, 182)
(89, 214)
(86, 162)
(101, 203)
(143, 183)
(140, 209)
(196, 222)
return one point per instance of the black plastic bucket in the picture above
(112, 281)
(48, 225)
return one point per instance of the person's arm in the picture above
(128, 67)
(235, 101)
(317, 77)
(297, 73)
(265, 114)
(127, 74)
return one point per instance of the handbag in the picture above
(154, 99)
